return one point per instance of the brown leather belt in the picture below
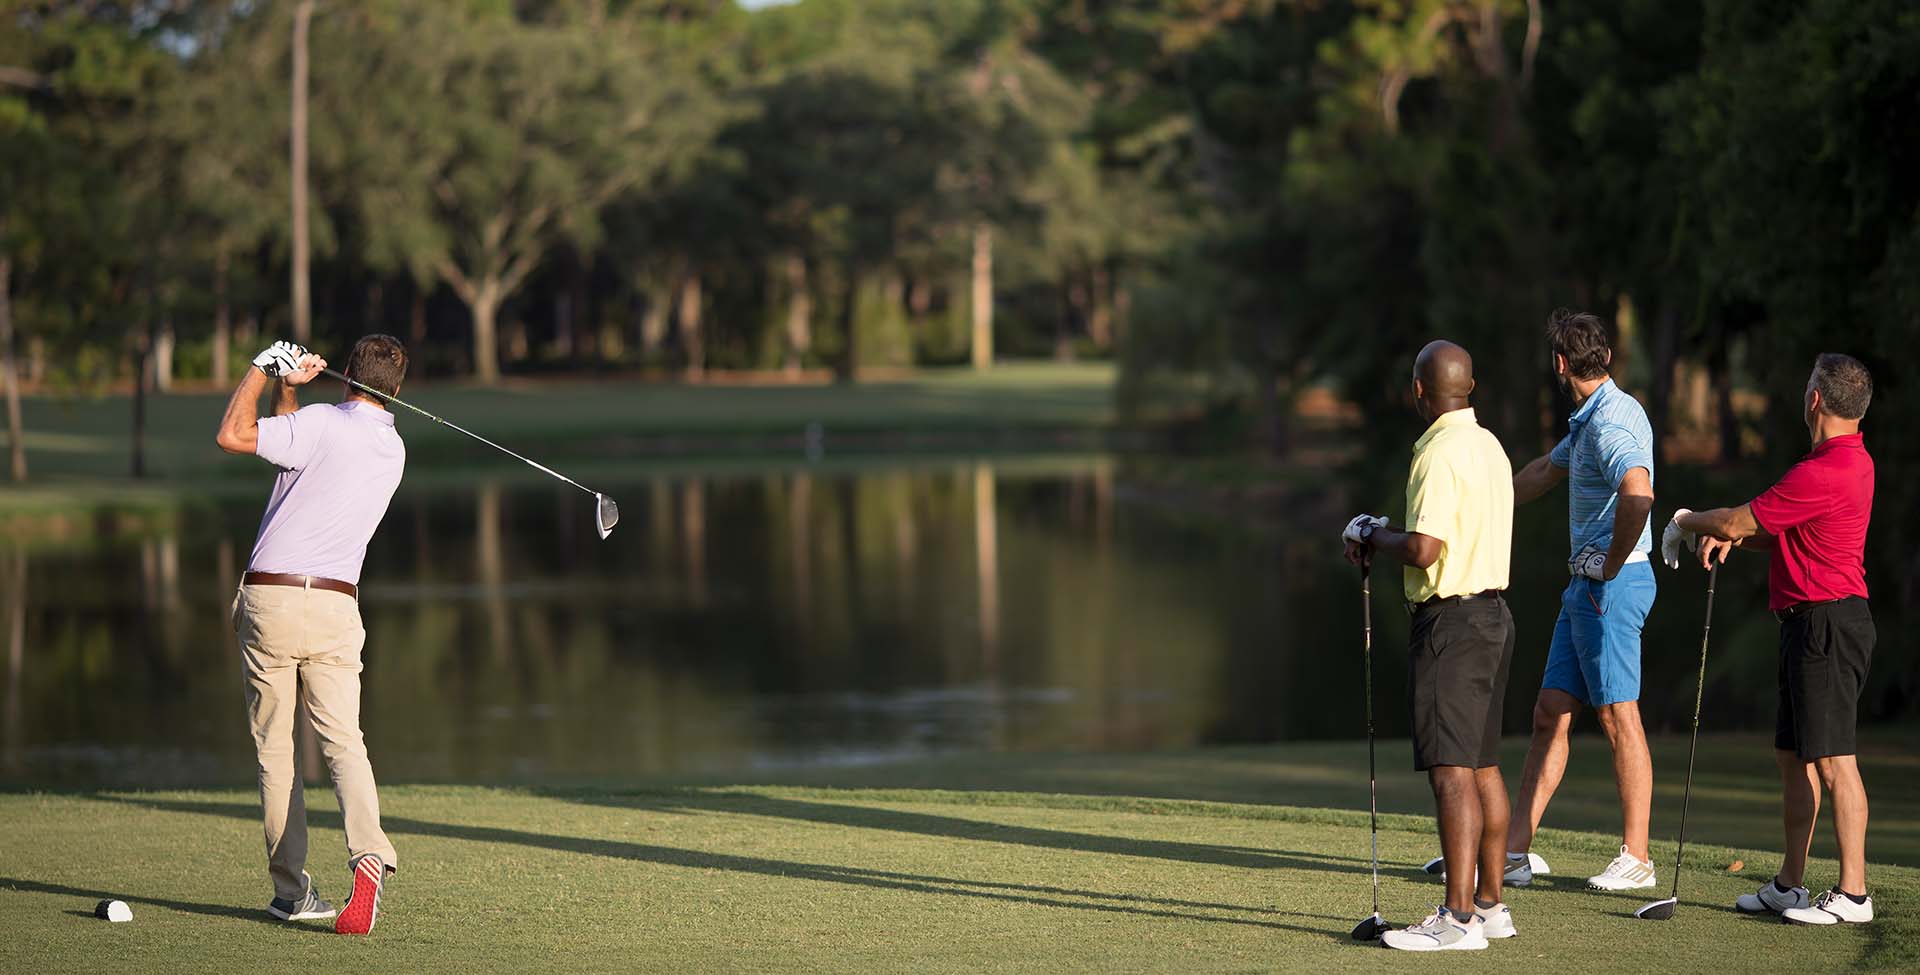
(300, 582)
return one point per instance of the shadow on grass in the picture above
(184, 907)
(1042, 896)
(956, 827)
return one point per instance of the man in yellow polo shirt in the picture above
(1456, 547)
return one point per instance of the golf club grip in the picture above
(389, 398)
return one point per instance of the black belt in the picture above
(1786, 613)
(1482, 594)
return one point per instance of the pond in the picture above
(755, 618)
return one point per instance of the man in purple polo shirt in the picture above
(298, 612)
(1813, 526)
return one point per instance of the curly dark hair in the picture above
(1581, 339)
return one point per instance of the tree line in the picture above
(1275, 195)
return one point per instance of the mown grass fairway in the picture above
(807, 878)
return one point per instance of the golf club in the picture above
(1373, 927)
(606, 514)
(1662, 910)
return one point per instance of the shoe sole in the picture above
(1837, 921)
(1456, 946)
(1646, 886)
(302, 916)
(363, 905)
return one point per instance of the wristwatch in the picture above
(1366, 532)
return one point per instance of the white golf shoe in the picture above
(1496, 922)
(1831, 907)
(1521, 868)
(1769, 899)
(1626, 872)
(1439, 932)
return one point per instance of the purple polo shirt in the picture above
(339, 465)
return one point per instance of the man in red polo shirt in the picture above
(1813, 525)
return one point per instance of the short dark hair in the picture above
(1844, 384)
(1581, 339)
(378, 362)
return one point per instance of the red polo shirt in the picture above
(1818, 516)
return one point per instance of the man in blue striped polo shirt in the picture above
(1607, 460)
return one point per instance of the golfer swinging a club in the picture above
(1813, 527)
(1456, 549)
(297, 613)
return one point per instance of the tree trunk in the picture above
(142, 355)
(1100, 319)
(1666, 334)
(302, 300)
(9, 372)
(486, 337)
(563, 338)
(163, 356)
(653, 321)
(417, 319)
(1079, 309)
(799, 314)
(585, 313)
(692, 339)
(1723, 401)
(222, 319)
(848, 368)
(982, 296)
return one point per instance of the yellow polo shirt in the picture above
(1460, 491)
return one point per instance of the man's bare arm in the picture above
(1536, 479)
(240, 428)
(1407, 548)
(1722, 530)
(285, 399)
(1630, 513)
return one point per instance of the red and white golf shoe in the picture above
(363, 905)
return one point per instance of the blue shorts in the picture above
(1596, 641)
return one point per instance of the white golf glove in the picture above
(1591, 562)
(1352, 533)
(1674, 537)
(279, 359)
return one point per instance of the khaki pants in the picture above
(300, 644)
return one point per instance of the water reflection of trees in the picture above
(745, 618)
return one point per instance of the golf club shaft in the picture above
(1373, 789)
(1699, 693)
(455, 426)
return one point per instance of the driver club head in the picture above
(1370, 929)
(1661, 910)
(606, 514)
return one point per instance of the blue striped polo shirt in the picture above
(1606, 437)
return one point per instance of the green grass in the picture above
(88, 438)
(1205, 860)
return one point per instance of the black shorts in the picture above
(1824, 654)
(1457, 658)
